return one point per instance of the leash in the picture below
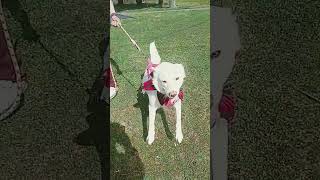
(17, 70)
(132, 41)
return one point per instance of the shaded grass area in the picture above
(37, 142)
(277, 134)
(152, 5)
(181, 37)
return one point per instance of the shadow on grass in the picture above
(125, 163)
(165, 124)
(119, 72)
(125, 160)
(20, 15)
(124, 7)
(143, 105)
(31, 35)
(98, 120)
(114, 64)
(99, 127)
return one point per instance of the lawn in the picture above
(181, 37)
(192, 3)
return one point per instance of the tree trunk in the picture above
(172, 3)
(139, 2)
(120, 2)
(161, 2)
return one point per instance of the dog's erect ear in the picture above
(154, 55)
(181, 71)
(155, 80)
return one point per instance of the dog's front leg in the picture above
(153, 106)
(179, 135)
(151, 131)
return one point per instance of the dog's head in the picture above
(167, 77)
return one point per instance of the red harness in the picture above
(227, 107)
(109, 80)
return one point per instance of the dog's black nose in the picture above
(172, 94)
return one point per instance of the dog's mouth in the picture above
(171, 96)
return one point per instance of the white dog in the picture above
(162, 82)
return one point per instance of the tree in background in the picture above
(160, 2)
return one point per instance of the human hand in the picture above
(115, 21)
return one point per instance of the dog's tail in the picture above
(154, 55)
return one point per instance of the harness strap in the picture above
(227, 107)
(14, 61)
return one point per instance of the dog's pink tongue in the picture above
(170, 102)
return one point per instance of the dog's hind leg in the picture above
(179, 135)
(153, 106)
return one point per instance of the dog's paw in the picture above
(179, 137)
(150, 139)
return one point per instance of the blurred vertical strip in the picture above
(106, 57)
(224, 44)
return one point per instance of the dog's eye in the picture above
(177, 78)
(164, 81)
(215, 54)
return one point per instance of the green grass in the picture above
(192, 3)
(181, 37)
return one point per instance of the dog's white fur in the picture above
(167, 79)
